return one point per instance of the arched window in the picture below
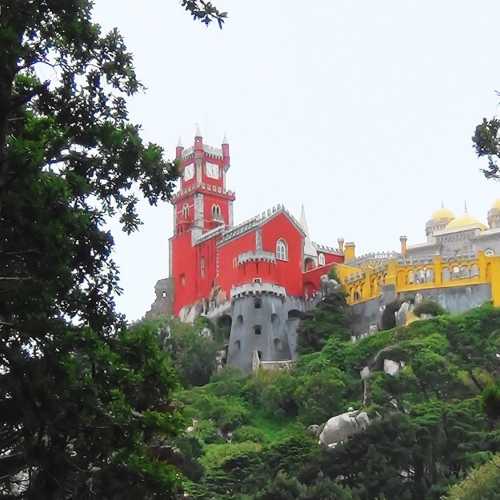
(216, 211)
(202, 267)
(321, 259)
(185, 210)
(281, 250)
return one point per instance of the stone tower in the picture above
(264, 326)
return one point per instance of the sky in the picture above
(363, 111)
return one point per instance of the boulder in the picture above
(365, 373)
(391, 367)
(341, 427)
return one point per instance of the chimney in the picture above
(349, 251)
(404, 248)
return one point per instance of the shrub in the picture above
(248, 433)
(482, 483)
(428, 307)
(491, 401)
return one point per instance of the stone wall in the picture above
(266, 324)
(367, 314)
(455, 299)
(164, 296)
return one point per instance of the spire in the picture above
(303, 220)
(198, 131)
(179, 142)
(309, 249)
(224, 140)
(465, 207)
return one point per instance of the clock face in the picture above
(212, 170)
(188, 172)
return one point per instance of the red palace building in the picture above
(260, 275)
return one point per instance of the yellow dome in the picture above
(465, 221)
(496, 205)
(443, 213)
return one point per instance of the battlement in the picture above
(326, 248)
(257, 256)
(250, 289)
(202, 187)
(257, 220)
(374, 257)
(209, 234)
(210, 151)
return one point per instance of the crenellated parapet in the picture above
(255, 221)
(256, 256)
(202, 187)
(374, 257)
(256, 289)
(327, 249)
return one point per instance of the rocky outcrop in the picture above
(341, 427)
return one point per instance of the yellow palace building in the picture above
(457, 266)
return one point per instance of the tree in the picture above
(85, 404)
(193, 354)
(487, 143)
(329, 318)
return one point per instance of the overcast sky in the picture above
(362, 110)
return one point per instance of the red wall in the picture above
(229, 274)
(187, 261)
(288, 273)
(208, 201)
(311, 279)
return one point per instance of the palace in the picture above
(263, 274)
(260, 273)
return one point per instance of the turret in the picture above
(404, 245)
(349, 251)
(179, 149)
(198, 140)
(225, 153)
(494, 215)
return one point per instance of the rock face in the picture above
(341, 427)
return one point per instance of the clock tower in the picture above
(202, 205)
(203, 202)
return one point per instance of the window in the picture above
(278, 344)
(257, 303)
(321, 259)
(216, 211)
(257, 329)
(257, 280)
(164, 294)
(240, 319)
(185, 210)
(202, 267)
(281, 250)
(237, 345)
(183, 279)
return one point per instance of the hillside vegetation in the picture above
(431, 424)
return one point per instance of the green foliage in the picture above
(491, 400)
(482, 483)
(486, 143)
(227, 412)
(86, 404)
(428, 426)
(249, 433)
(328, 319)
(194, 355)
(428, 307)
